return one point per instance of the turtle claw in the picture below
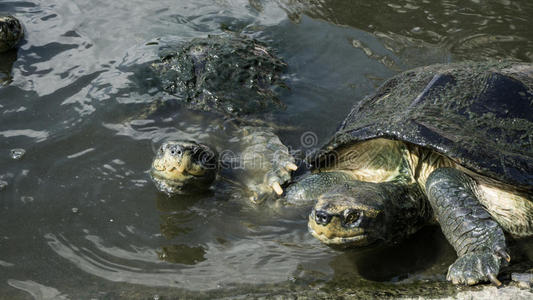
(291, 166)
(267, 163)
(503, 254)
(277, 188)
(492, 277)
(279, 174)
(475, 267)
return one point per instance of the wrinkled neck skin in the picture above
(406, 210)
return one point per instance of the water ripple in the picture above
(38, 136)
(223, 266)
(37, 290)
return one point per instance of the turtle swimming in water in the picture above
(11, 32)
(236, 77)
(451, 143)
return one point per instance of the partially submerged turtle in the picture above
(451, 143)
(236, 77)
(228, 73)
(11, 32)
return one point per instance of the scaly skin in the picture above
(478, 239)
(266, 161)
(312, 186)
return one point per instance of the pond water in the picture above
(80, 218)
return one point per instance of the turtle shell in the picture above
(227, 73)
(480, 115)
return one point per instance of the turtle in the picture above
(237, 78)
(446, 143)
(11, 32)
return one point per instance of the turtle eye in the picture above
(352, 218)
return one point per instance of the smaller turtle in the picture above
(235, 77)
(11, 32)
(446, 143)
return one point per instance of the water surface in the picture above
(80, 218)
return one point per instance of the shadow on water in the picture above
(178, 203)
(174, 219)
(6, 64)
(396, 263)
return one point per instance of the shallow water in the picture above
(80, 218)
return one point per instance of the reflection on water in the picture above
(6, 64)
(36, 290)
(477, 29)
(80, 217)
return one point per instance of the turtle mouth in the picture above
(168, 187)
(335, 235)
(166, 168)
(173, 182)
(183, 167)
(170, 174)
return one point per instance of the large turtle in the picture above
(11, 32)
(447, 142)
(236, 77)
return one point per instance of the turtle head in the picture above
(182, 167)
(357, 214)
(348, 217)
(11, 32)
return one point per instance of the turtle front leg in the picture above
(266, 161)
(478, 239)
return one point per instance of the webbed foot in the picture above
(268, 163)
(476, 267)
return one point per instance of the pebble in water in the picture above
(17, 153)
(26, 199)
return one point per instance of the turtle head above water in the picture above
(11, 32)
(343, 219)
(357, 214)
(181, 167)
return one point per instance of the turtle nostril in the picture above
(322, 217)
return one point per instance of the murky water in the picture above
(80, 218)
